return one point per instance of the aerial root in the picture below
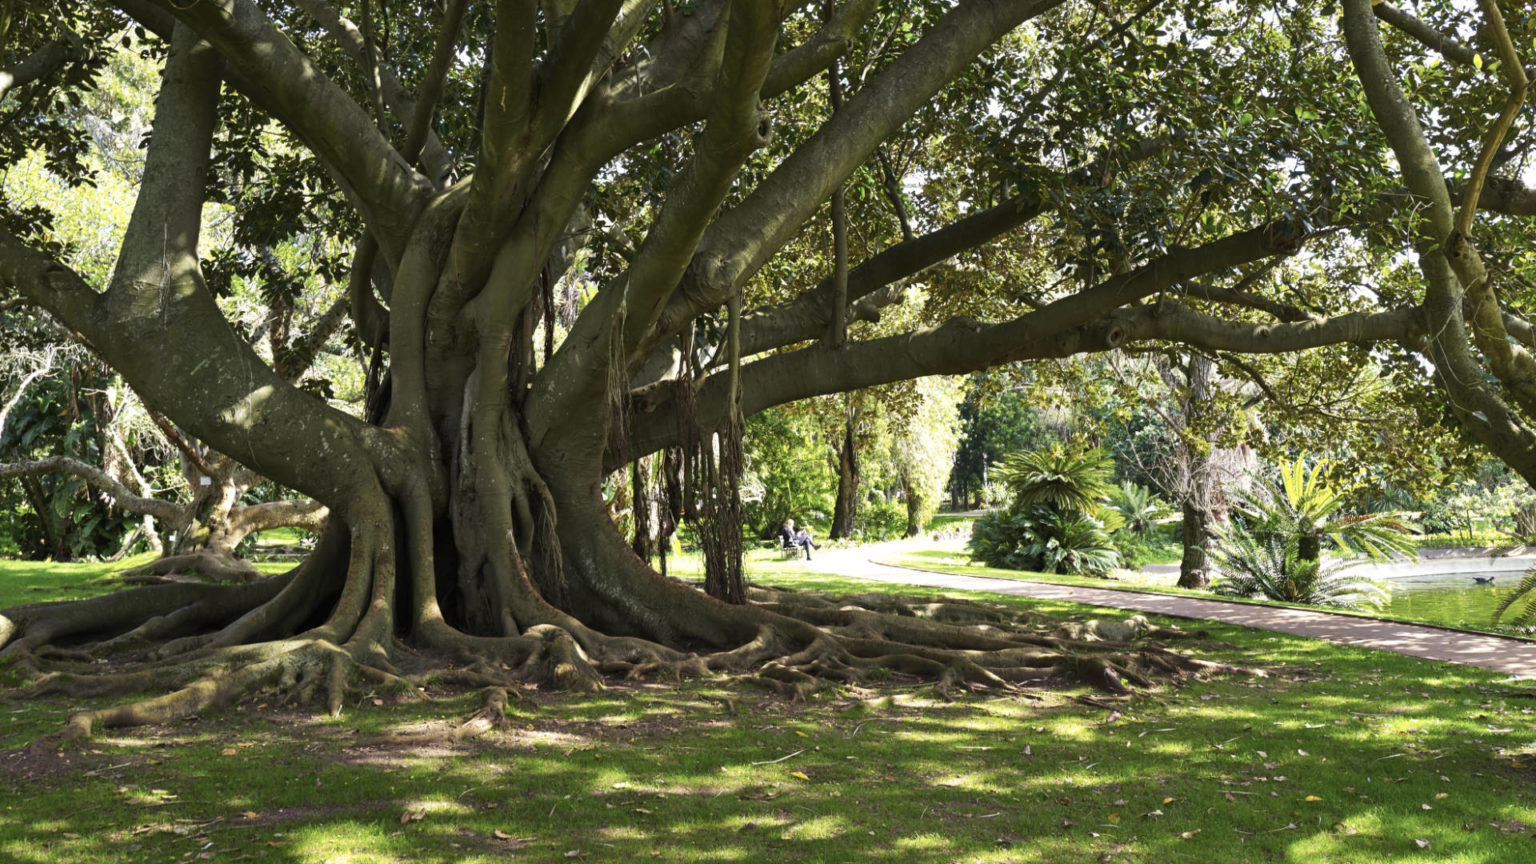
(559, 663)
(492, 715)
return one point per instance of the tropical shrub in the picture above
(1140, 509)
(1058, 521)
(1269, 565)
(1273, 545)
(1525, 591)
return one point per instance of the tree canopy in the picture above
(577, 232)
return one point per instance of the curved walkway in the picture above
(1513, 657)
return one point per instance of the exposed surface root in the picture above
(192, 567)
(492, 714)
(172, 640)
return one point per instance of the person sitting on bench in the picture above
(789, 538)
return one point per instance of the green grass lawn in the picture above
(1338, 755)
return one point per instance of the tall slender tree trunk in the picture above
(846, 507)
(1198, 483)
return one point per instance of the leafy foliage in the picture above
(1058, 521)
(1140, 509)
(1525, 590)
(1272, 548)
(1269, 564)
(1059, 478)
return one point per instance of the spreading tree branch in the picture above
(388, 191)
(117, 495)
(40, 64)
(1475, 404)
(741, 240)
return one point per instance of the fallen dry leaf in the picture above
(1188, 834)
(1421, 843)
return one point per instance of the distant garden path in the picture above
(1514, 657)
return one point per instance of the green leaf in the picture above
(1477, 60)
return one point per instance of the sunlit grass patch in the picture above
(1332, 757)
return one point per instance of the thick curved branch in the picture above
(743, 239)
(1168, 321)
(799, 319)
(322, 114)
(305, 513)
(1507, 196)
(735, 128)
(1082, 321)
(1440, 42)
(406, 110)
(160, 243)
(117, 495)
(419, 132)
(200, 372)
(41, 63)
(1451, 268)
(671, 88)
(816, 54)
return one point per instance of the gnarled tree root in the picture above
(193, 566)
(802, 642)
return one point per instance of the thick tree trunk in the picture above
(846, 505)
(1195, 569)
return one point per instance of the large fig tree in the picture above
(591, 230)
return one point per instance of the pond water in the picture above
(1454, 601)
(1445, 592)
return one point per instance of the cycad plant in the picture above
(1140, 510)
(1307, 507)
(1058, 520)
(1065, 480)
(1274, 547)
(1270, 565)
(1525, 590)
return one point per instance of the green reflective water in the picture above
(1449, 599)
